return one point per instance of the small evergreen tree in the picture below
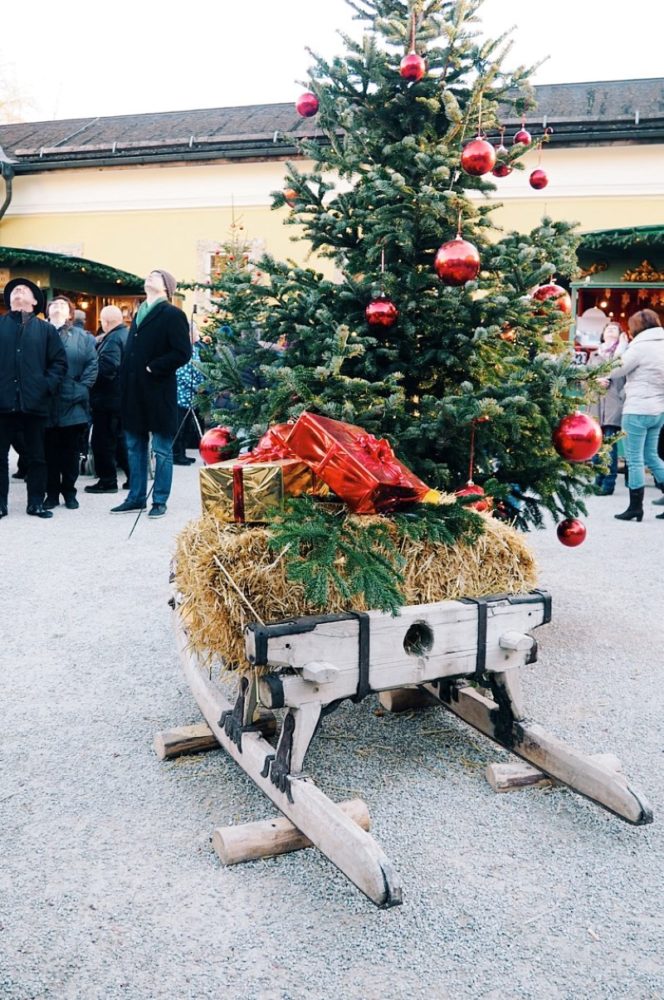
(385, 191)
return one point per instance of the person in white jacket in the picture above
(643, 410)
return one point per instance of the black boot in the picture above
(635, 510)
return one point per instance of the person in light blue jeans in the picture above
(137, 455)
(643, 411)
(157, 345)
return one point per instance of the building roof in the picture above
(579, 113)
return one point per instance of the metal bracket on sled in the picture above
(234, 720)
(277, 766)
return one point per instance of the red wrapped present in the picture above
(356, 466)
(271, 447)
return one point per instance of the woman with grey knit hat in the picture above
(158, 344)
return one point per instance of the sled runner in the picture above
(451, 650)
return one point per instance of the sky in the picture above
(133, 57)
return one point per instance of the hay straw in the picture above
(227, 577)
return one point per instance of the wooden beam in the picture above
(270, 837)
(184, 740)
(515, 777)
(405, 699)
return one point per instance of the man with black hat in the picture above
(158, 344)
(32, 365)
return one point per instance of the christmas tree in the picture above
(419, 339)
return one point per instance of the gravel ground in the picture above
(109, 887)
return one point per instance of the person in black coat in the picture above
(105, 400)
(69, 411)
(33, 363)
(158, 344)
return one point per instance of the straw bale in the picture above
(227, 577)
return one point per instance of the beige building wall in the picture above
(174, 216)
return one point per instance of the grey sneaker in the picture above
(157, 510)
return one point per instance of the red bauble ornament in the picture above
(538, 179)
(478, 157)
(571, 532)
(523, 137)
(290, 196)
(472, 489)
(307, 104)
(457, 262)
(561, 299)
(412, 67)
(217, 444)
(381, 312)
(502, 169)
(578, 437)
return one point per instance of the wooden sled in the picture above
(316, 662)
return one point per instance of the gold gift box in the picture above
(244, 492)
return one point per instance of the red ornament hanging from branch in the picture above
(571, 532)
(539, 178)
(503, 167)
(523, 136)
(412, 67)
(307, 104)
(577, 438)
(290, 196)
(471, 488)
(555, 293)
(457, 262)
(478, 157)
(382, 312)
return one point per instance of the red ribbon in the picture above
(381, 451)
(238, 493)
(271, 446)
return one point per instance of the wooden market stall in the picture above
(622, 271)
(89, 284)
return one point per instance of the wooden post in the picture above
(405, 699)
(270, 837)
(514, 777)
(186, 739)
(199, 738)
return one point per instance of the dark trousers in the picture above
(107, 446)
(607, 480)
(187, 436)
(30, 431)
(62, 460)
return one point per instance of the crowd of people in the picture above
(57, 379)
(135, 386)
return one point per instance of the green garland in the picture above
(16, 256)
(623, 239)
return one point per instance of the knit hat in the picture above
(35, 289)
(169, 281)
